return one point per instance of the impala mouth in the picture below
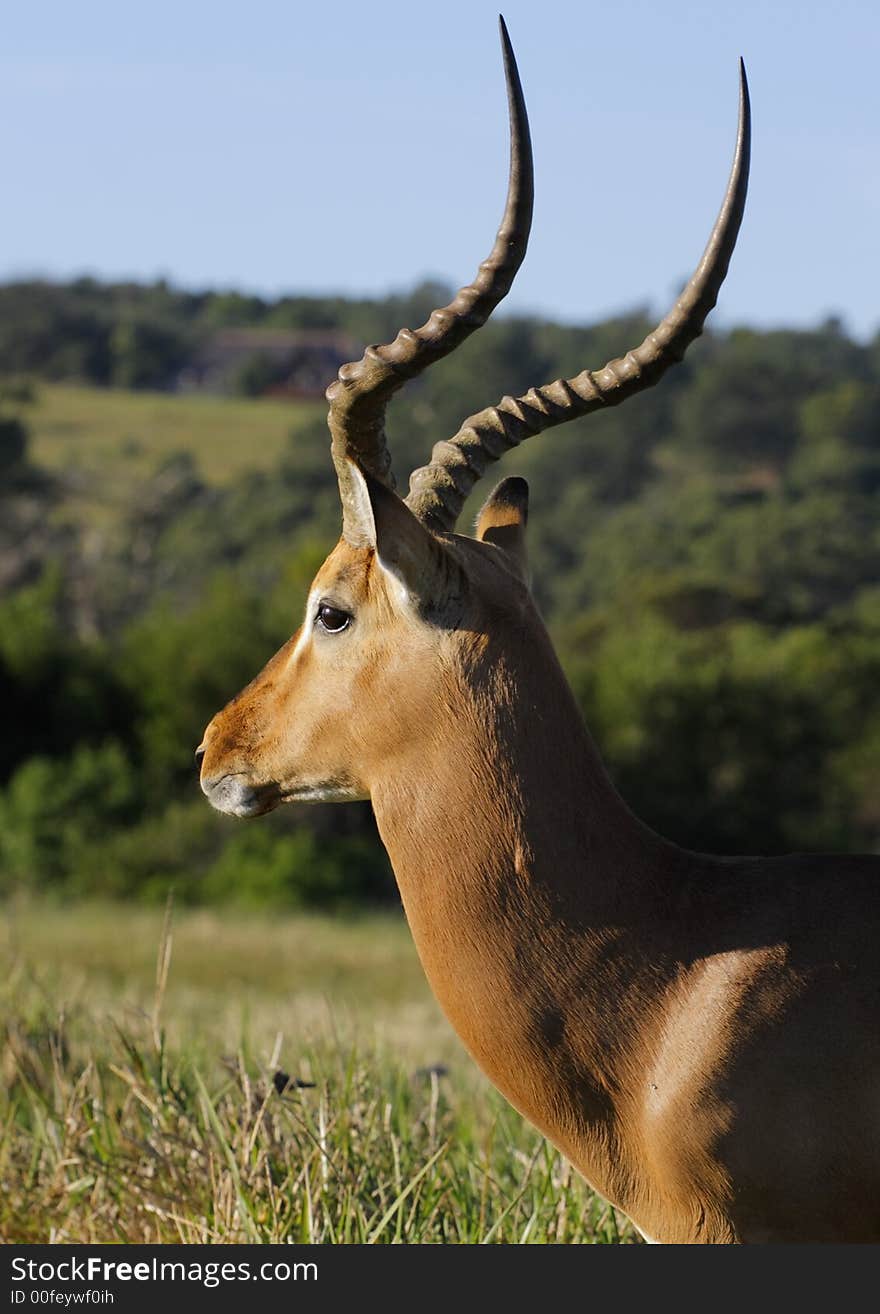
(234, 796)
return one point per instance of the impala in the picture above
(698, 1035)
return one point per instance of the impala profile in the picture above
(700, 1036)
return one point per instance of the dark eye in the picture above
(332, 619)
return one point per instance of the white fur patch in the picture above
(325, 794)
(400, 590)
(305, 632)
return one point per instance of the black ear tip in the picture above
(512, 491)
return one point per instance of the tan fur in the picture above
(698, 1035)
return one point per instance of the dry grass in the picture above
(141, 1098)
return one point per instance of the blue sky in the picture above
(361, 147)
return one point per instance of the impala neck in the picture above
(523, 876)
(507, 791)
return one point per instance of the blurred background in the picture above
(209, 208)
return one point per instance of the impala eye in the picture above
(332, 619)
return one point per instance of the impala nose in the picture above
(200, 753)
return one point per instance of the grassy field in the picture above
(85, 428)
(105, 441)
(143, 1067)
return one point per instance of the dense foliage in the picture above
(707, 558)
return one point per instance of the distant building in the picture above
(268, 362)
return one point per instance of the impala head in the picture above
(405, 615)
(390, 621)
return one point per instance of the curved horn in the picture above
(438, 491)
(359, 396)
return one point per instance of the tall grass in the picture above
(140, 1109)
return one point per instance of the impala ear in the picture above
(503, 520)
(425, 572)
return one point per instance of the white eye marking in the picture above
(314, 605)
(305, 632)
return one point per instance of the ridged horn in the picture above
(438, 490)
(359, 396)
